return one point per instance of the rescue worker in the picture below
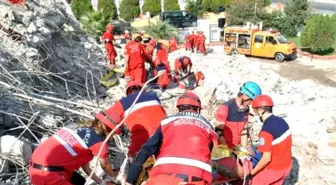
(135, 60)
(187, 40)
(182, 144)
(183, 66)
(164, 80)
(150, 51)
(231, 124)
(108, 38)
(275, 143)
(197, 41)
(172, 44)
(140, 121)
(193, 41)
(192, 81)
(127, 35)
(161, 52)
(202, 39)
(55, 161)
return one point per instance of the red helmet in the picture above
(152, 42)
(109, 27)
(109, 118)
(189, 98)
(186, 60)
(200, 75)
(132, 84)
(262, 101)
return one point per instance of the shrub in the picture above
(195, 7)
(319, 34)
(152, 6)
(297, 13)
(129, 9)
(162, 30)
(94, 23)
(108, 8)
(81, 7)
(171, 5)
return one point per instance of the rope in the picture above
(121, 123)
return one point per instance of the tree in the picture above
(214, 5)
(108, 8)
(129, 9)
(171, 5)
(297, 13)
(242, 11)
(152, 6)
(195, 7)
(94, 23)
(81, 7)
(162, 30)
(319, 34)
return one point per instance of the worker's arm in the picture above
(265, 147)
(106, 165)
(87, 170)
(151, 147)
(244, 137)
(221, 117)
(265, 159)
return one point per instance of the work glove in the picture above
(248, 179)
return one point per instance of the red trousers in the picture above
(137, 73)
(164, 179)
(111, 53)
(40, 177)
(202, 49)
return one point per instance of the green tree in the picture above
(162, 30)
(108, 8)
(242, 11)
(195, 7)
(171, 5)
(81, 7)
(319, 35)
(297, 13)
(152, 6)
(214, 5)
(129, 9)
(94, 23)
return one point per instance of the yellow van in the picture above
(253, 42)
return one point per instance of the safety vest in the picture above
(185, 149)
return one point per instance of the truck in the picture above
(254, 42)
(179, 19)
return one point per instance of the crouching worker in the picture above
(56, 160)
(182, 144)
(275, 143)
(164, 79)
(191, 81)
(183, 66)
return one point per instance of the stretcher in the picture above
(111, 78)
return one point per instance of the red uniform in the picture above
(69, 149)
(275, 137)
(193, 41)
(161, 53)
(187, 40)
(197, 41)
(108, 38)
(235, 122)
(173, 44)
(162, 67)
(182, 63)
(202, 39)
(141, 121)
(136, 64)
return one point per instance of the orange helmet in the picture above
(109, 27)
(262, 101)
(199, 75)
(109, 118)
(131, 85)
(189, 98)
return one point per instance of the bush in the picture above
(162, 30)
(214, 5)
(94, 23)
(81, 7)
(319, 34)
(297, 13)
(129, 9)
(171, 5)
(242, 11)
(152, 6)
(195, 7)
(108, 8)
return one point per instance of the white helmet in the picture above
(126, 31)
